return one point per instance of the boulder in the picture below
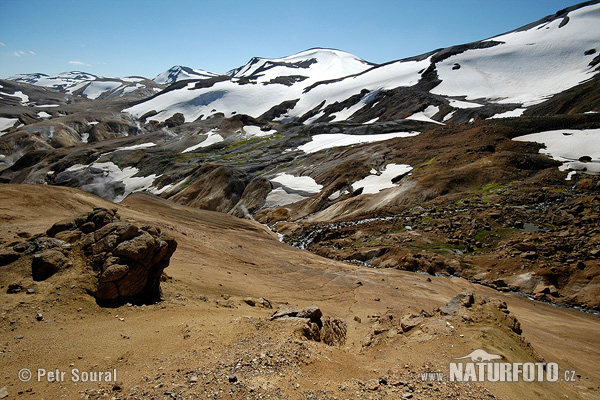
(8, 256)
(129, 262)
(333, 331)
(47, 263)
(314, 325)
(463, 299)
(125, 262)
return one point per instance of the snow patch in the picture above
(517, 112)
(290, 189)
(569, 146)
(95, 89)
(255, 131)
(22, 96)
(112, 173)
(375, 183)
(6, 123)
(330, 140)
(463, 104)
(136, 147)
(211, 138)
(426, 115)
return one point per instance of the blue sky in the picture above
(146, 37)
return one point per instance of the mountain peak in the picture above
(314, 64)
(179, 73)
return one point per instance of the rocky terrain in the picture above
(298, 227)
(240, 314)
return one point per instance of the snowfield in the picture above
(378, 181)
(330, 140)
(6, 123)
(211, 138)
(288, 189)
(136, 147)
(569, 146)
(528, 66)
(523, 67)
(235, 96)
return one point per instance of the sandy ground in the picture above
(204, 341)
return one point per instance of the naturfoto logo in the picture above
(483, 367)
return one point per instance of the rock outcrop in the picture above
(313, 325)
(125, 262)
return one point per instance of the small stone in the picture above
(193, 379)
(3, 392)
(14, 288)
(39, 316)
(233, 379)
(19, 337)
(372, 384)
(31, 291)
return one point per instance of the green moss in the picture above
(490, 187)
(423, 164)
(426, 163)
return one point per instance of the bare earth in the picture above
(204, 341)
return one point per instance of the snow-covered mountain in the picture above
(88, 85)
(314, 65)
(505, 74)
(179, 73)
(256, 87)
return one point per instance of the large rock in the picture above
(129, 261)
(125, 262)
(47, 263)
(84, 223)
(461, 300)
(313, 325)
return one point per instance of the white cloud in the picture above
(2, 44)
(20, 53)
(79, 63)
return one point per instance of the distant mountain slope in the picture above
(179, 73)
(501, 75)
(255, 88)
(91, 86)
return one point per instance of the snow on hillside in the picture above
(578, 149)
(97, 88)
(179, 73)
(91, 86)
(523, 67)
(237, 96)
(528, 66)
(6, 123)
(385, 77)
(288, 189)
(63, 80)
(314, 64)
(330, 140)
(379, 181)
